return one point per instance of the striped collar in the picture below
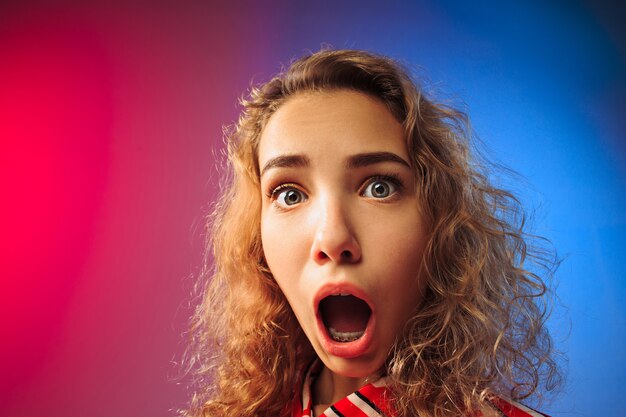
(374, 400)
(371, 400)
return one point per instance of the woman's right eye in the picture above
(288, 196)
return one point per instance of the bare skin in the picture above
(341, 213)
(330, 388)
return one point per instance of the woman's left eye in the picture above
(380, 188)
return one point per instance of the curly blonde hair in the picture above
(480, 331)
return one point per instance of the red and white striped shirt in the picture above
(373, 400)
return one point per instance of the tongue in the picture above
(345, 313)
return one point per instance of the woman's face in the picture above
(341, 224)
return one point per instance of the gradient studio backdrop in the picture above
(110, 117)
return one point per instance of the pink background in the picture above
(109, 119)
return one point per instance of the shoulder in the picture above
(510, 408)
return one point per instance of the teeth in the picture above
(344, 336)
(344, 294)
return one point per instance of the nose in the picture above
(334, 239)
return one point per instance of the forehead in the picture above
(336, 122)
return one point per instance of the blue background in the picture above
(544, 84)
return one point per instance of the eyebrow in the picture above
(286, 161)
(356, 161)
(365, 159)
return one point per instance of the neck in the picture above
(330, 387)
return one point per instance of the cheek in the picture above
(283, 253)
(401, 248)
(286, 237)
(286, 265)
(275, 241)
(401, 240)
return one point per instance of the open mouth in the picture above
(345, 317)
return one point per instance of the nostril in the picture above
(321, 255)
(345, 256)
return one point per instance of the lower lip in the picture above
(346, 350)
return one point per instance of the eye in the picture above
(285, 196)
(381, 188)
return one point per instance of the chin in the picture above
(361, 367)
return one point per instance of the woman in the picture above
(363, 261)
